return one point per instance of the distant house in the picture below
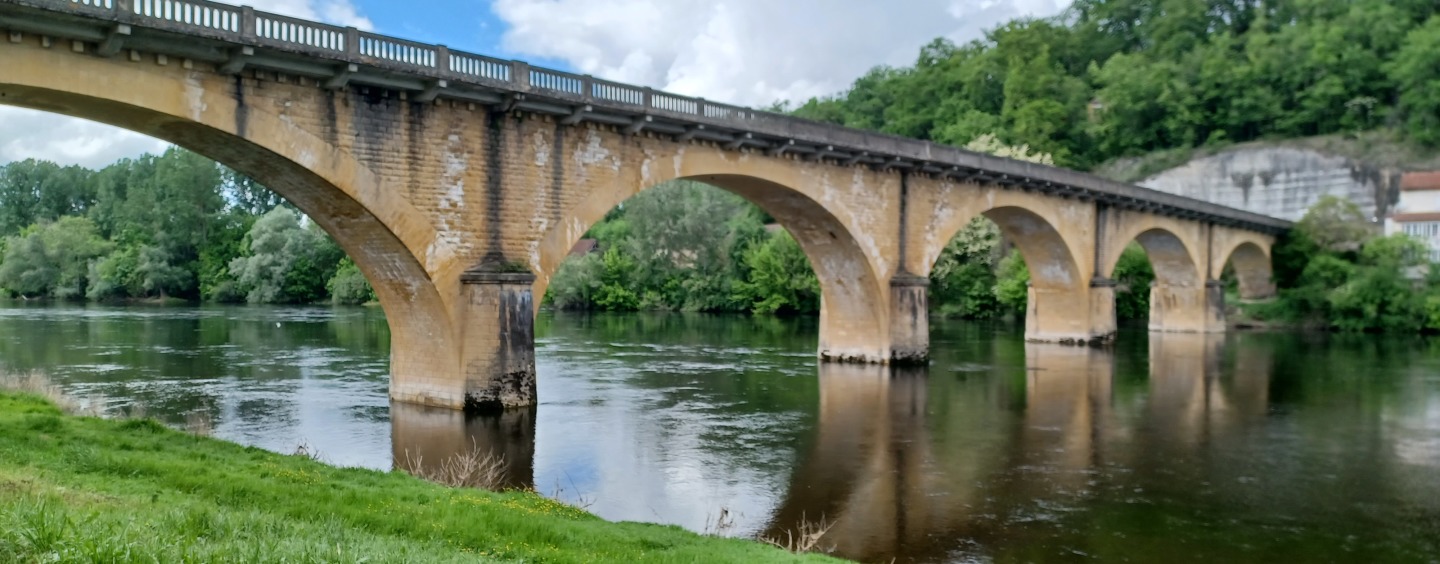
(1417, 213)
(584, 247)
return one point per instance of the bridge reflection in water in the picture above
(425, 437)
(912, 464)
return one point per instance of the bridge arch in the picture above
(380, 231)
(1169, 244)
(1171, 258)
(1054, 236)
(1048, 252)
(1251, 262)
(853, 304)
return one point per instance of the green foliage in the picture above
(962, 283)
(1114, 78)
(52, 259)
(1378, 296)
(1336, 225)
(1133, 275)
(780, 278)
(1012, 285)
(169, 225)
(1417, 79)
(616, 291)
(27, 269)
(689, 247)
(34, 191)
(115, 276)
(348, 286)
(287, 263)
(1290, 256)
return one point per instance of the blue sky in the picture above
(464, 25)
(749, 52)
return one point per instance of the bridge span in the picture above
(458, 182)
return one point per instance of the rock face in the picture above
(1280, 181)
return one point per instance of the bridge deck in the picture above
(237, 38)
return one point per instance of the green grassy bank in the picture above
(85, 489)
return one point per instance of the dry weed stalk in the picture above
(38, 384)
(805, 537)
(719, 526)
(468, 469)
(199, 423)
(307, 450)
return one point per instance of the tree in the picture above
(348, 286)
(287, 262)
(1336, 225)
(1133, 275)
(1418, 79)
(27, 269)
(52, 259)
(962, 283)
(1379, 296)
(1012, 285)
(781, 280)
(33, 191)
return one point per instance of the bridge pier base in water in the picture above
(1188, 309)
(497, 339)
(909, 319)
(1078, 316)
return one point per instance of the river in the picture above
(1258, 447)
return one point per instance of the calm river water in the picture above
(1252, 447)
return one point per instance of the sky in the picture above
(748, 52)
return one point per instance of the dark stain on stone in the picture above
(415, 134)
(557, 171)
(367, 121)
(1245, 182)
(373, 96)
(904, 214)
(331, 126)
(494, 180)
(242, 110)
(515, 357)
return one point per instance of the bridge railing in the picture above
(280, 31)
(471, 66)
(208, 15)
(246, 26)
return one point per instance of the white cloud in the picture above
(30, 134)
(26, 134)
(746, 51)
(337, 12)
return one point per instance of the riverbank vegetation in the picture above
(1119, 78)
(86, 489)
(1334, 271)
(169, 226)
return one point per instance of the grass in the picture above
(86, 489)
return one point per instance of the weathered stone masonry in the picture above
(459, 208)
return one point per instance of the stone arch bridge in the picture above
(457, 182)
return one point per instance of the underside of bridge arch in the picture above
(1181, 300)
(1061, 304)
(1252, 269)
(853, 319)
(376, 229)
